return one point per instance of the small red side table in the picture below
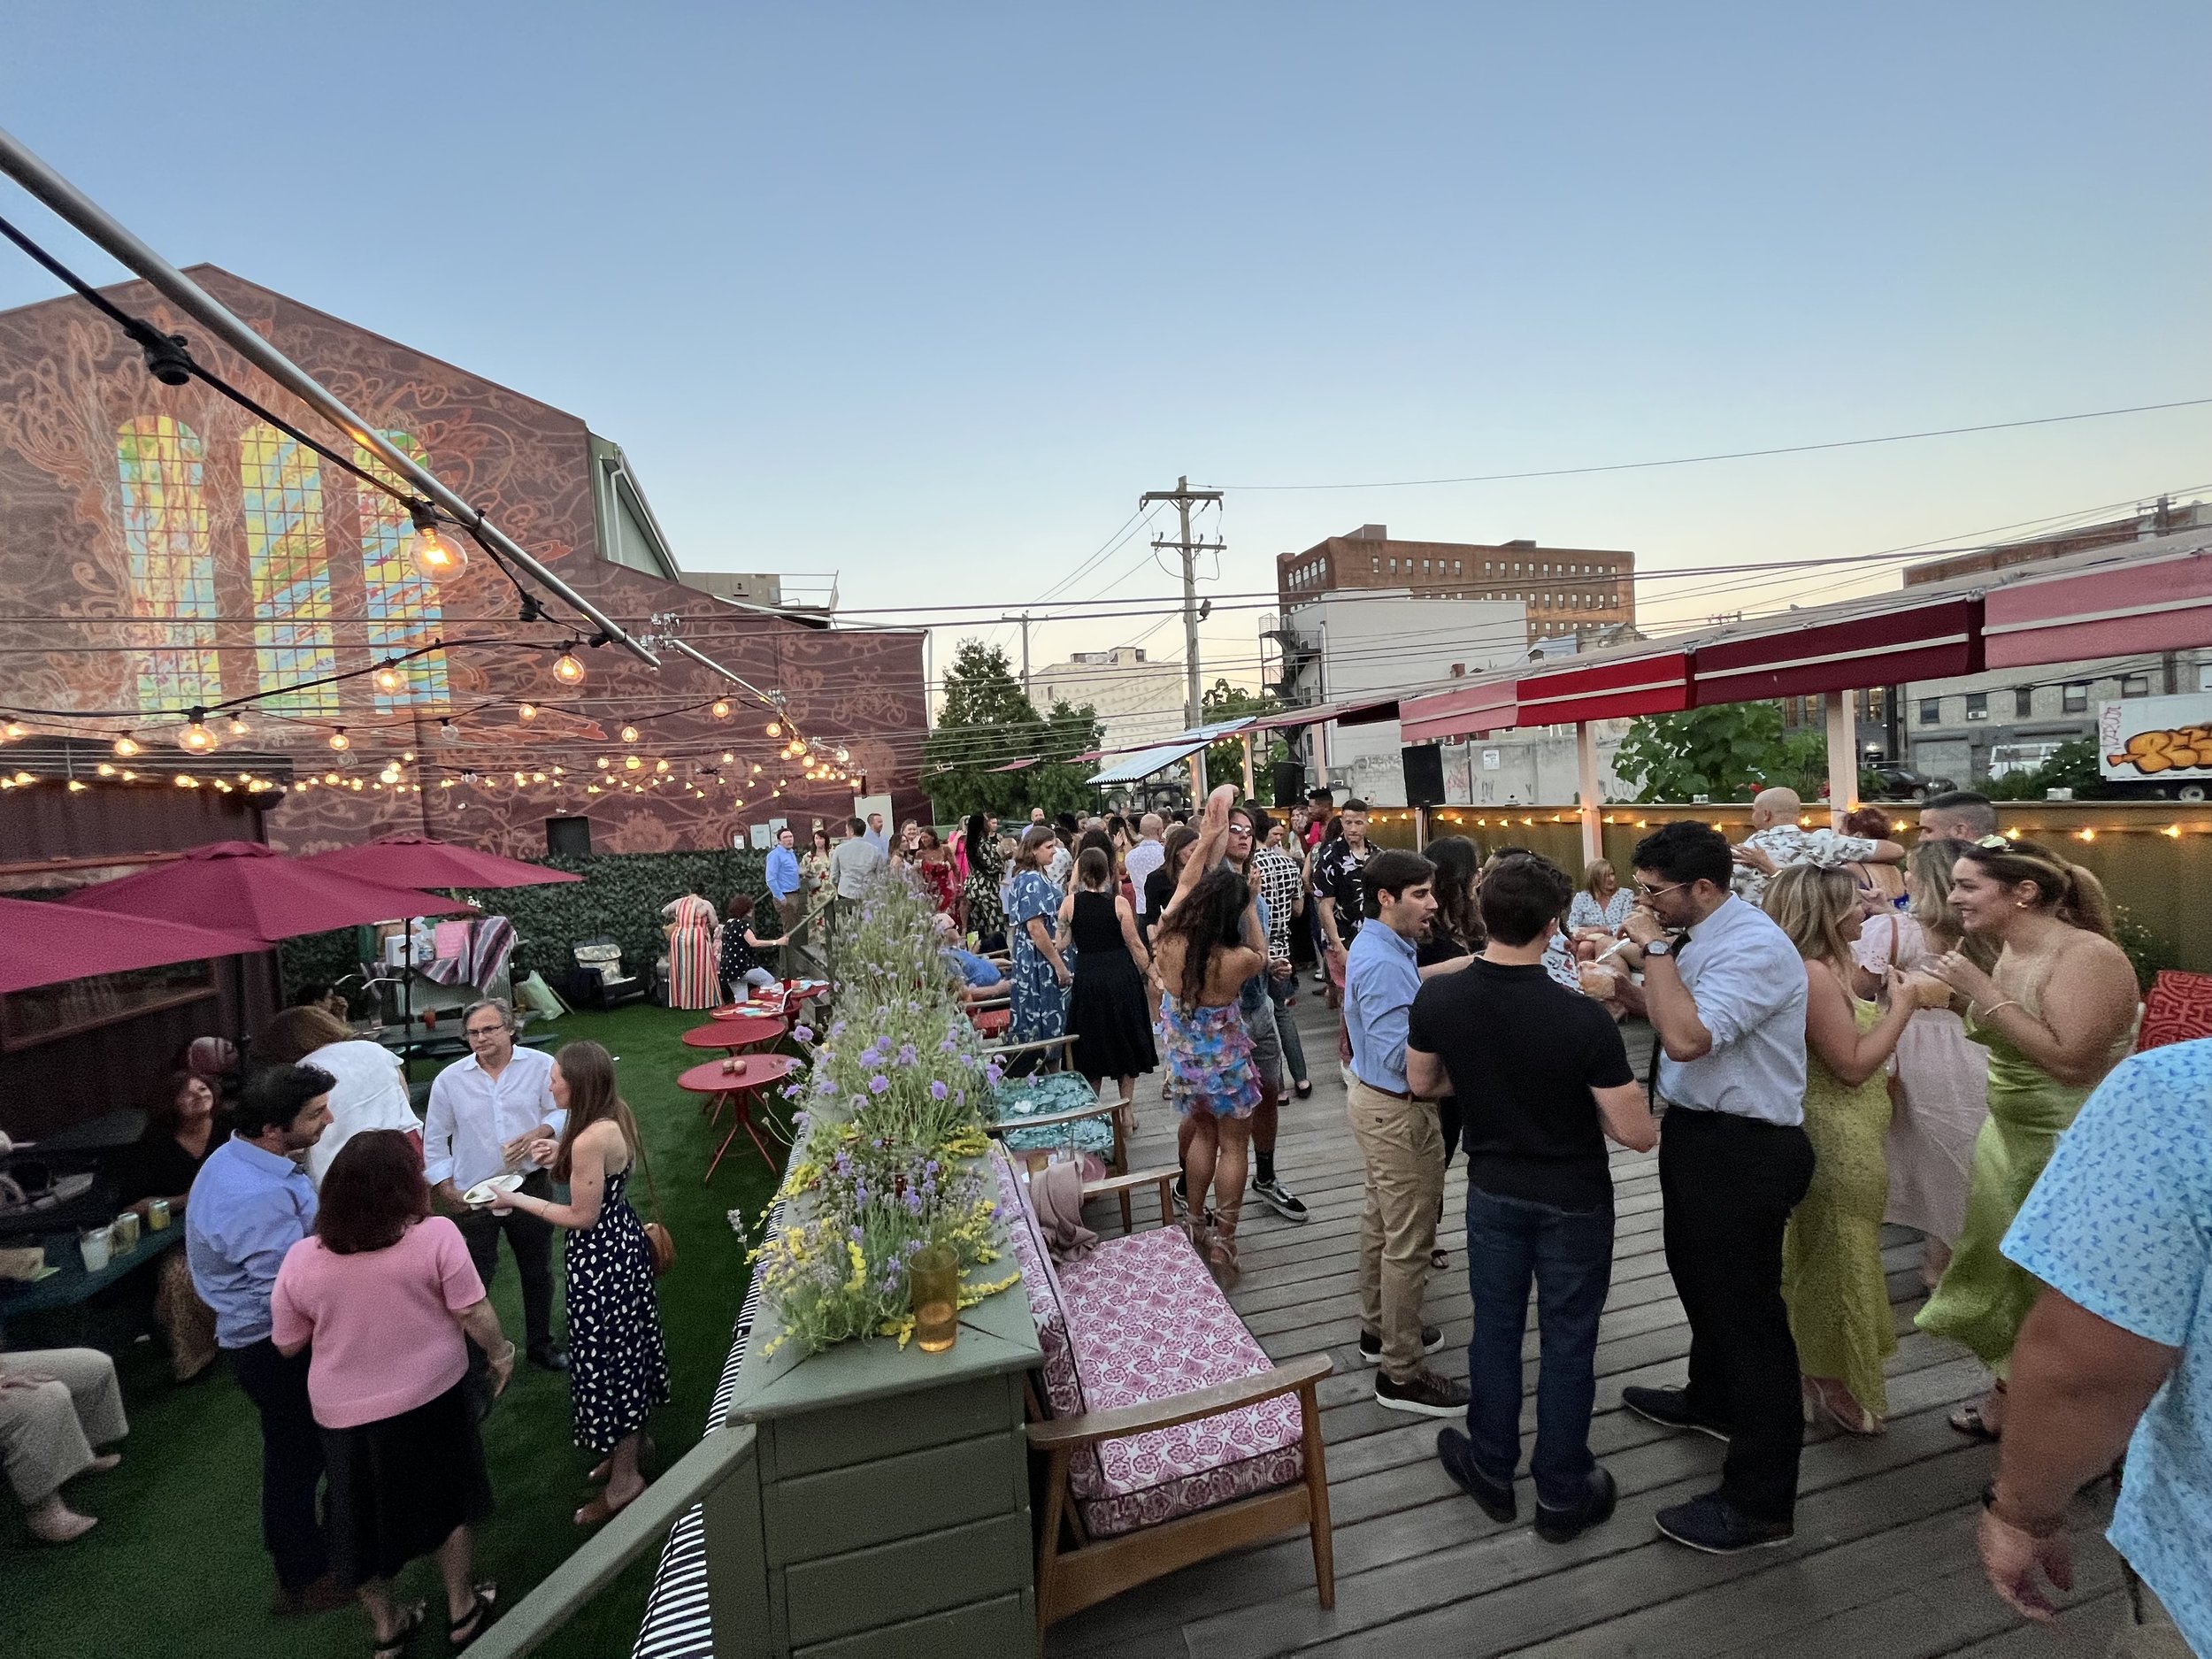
(739, 1090)
(736, 1032)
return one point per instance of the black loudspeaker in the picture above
(1423, 766)
(568, 837)
(1290, 784)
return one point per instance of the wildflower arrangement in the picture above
(888, 1127)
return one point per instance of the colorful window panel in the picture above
(159, 463)
(282, 497)
(403, 608)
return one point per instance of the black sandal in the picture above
(1304, 1089)
(473, 1621)
(410, 1621)
(1969, 1421)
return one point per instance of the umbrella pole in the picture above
(407, 1005)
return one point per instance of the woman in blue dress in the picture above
(1041, 975)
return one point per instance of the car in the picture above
(1901, 782)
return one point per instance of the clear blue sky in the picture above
(928, 295)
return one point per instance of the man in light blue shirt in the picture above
(251, 1202)
(2117, 1353)
(878, 837)
(784, 885)
(1399, 1139)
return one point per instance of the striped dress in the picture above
(691, 964)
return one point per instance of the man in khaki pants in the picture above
(1398, 1138)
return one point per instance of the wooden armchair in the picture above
(1123, 1183)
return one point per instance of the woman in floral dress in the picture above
(1041, 976)
(985, 911)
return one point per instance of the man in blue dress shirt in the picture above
(251, 1202)
(783, 887)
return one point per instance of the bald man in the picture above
(1957, 815)
(1145, 856)
(1777, 841)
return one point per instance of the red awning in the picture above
(2121, 607)
(1346, 711)
(1608, 687)
(1885, 641)
(257, 893)
(1483, 705)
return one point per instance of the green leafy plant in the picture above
(1225, 760)
(2145, 950)
(1724, 753)
(2074, 765)
(988, 720)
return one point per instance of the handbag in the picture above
(657, 1236)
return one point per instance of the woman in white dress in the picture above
(372, 1092)
(1602, 904)
(1940, 1090)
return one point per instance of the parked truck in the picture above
(2157, 747)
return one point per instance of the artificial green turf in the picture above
(176, 1566)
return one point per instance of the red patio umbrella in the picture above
(247, 888)
(408, 859)
(49, 944)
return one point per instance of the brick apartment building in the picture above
(1568, 591)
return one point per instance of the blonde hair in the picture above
(1594, 875)
(296, 1033)
(2065, 889)
(1811, 904)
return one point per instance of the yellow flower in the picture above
(860, 1267)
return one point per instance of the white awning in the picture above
(1145, 761)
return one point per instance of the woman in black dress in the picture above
(617, 1365)
(1107, 1010)
(180, 1134)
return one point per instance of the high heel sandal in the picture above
(599, 1472)
(462, 1630)
(410, 1620)
(1971, 1421)
(1862, 1425)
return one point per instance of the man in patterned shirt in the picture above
(1777, 841)
(1336, 885)
(1282, 887)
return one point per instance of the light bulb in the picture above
(196, 738)
(632, 763)
(339, 740)
(526, 710)
(727, 757)
(660, 766)
(843, 754)
(604, 763)
(389, 678)
(774, 729)
(390, 774)
(238, 727)
(436, 556)
(330, 777)
(720, 710)
(629, 733)
(106, 771)
(568, 669)
(125, 746)
(14, 729)
(77, 785)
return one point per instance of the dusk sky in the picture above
(925, 295)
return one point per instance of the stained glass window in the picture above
(403, 608)
(158, 462)
(283, 499)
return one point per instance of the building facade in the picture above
(164, 551)
(1138, 701)
(1564, 592)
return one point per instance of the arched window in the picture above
(158, 462)
(403, 608)
(282, 496)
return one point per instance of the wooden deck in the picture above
(1883, 1562)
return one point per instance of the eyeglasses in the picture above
(1643, 892)
(482, 1034)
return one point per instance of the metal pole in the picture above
(1249, 792)
(71, 204)
(1190, 607)
(1590, 799)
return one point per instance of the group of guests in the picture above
(339, 1253)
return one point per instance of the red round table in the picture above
(736, 1032)
(738, 1090)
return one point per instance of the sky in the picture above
(928, 296)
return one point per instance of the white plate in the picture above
(480, 1195)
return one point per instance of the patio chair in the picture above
(599, 981)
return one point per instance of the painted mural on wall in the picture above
(162, 549)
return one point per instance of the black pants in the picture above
(1729, 1184)
(291, 1461)
(531, 1237)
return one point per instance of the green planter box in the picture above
(886, 1512)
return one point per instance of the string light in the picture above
(526, 711)
(629, 733)
(389, 678)
(195, 737)
(632, 763)
(390, 774)
(568, 668)
(773, 729)
(125, 746)
(435, 557)
(339, 740)
(238, 726)
(14, 729)
(720, 709)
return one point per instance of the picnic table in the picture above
(74, 1285)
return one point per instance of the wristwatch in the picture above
(1659, 947)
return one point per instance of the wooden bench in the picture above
(1139, 1346)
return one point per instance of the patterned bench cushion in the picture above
(2178, 1009)
(1063, 1390)
(1148, 1322)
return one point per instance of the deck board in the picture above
(1883, 1564)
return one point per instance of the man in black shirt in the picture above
(1542, 1078)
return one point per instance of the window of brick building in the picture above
(1932, 711)
(2076, 699)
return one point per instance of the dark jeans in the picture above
(531, 1238)
(1294, 1045)
(291, 1461)
(1569, 1255)
(1729, 1184)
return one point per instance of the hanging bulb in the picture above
(195, 737)
(727, 757)
(339, 740)
(567, 667)
(526, 711)
(632, 763)
(13, 730)
(390, 774)
(238, 726)
(330, 777)
(660, 766)
(774, 729)
(843, 754)
(125, 746)
(389, 678)
(436, 557)
(629, 733)
(449, 733)
(720, 710)
(604, 763)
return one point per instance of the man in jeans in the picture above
(1542, 1078)
(1725, 991)
(1399, 1139)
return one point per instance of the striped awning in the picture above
(2118, 607)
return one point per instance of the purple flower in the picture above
(938, 1091)
(805, 1033)
(907, 1054)
(992, 1074)
(913, 1201)
(949, 1045)
(828, 1086)
(878, 1084)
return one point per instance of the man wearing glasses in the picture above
(1725, 991)
(484, 1113)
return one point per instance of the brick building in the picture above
(1568, 592)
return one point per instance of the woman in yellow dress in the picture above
(1832, 1253)
(2057, 1013)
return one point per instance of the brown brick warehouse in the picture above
(162, 549)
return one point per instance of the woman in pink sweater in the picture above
(385, 1293)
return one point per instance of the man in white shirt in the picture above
(1145, 856)
(1778, 840)
(484, 1113)
(854, 860)
(1725, 991)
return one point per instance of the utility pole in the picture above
(1024, 620)
(1184, 496)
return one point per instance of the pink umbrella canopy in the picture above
(50, 944)
(410, 860)
(246, 889)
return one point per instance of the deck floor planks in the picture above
(1882, 1564)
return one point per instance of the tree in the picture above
(1723, 753)
(2073, 765)
(988, 722)
(1225, 760)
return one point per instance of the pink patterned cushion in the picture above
(1063, 1390)
(1148, 1322)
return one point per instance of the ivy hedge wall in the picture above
(619, 898)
